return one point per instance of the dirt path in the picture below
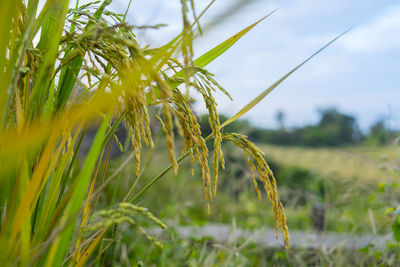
(266, 237)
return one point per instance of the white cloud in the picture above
(381, 34)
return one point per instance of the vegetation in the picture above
(65, 199)
(347, 162)
(352, 205)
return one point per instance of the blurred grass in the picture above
(350, 202)
(347, 198)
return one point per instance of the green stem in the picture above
(126, 11)
(114, 238)
(158, 177)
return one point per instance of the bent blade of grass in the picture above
(261, 96)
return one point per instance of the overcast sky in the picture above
(359, 74)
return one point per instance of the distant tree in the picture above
(334, 128)
(280, 118)
(378, 133)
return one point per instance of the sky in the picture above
(358, 74)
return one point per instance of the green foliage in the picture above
(381, 134)
(302, 185)
(396, 229)
(333, 129)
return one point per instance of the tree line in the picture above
(334, 128)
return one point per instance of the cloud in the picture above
(380, 35)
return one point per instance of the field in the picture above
(361, 161)
(354, 204)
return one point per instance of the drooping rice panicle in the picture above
(267, 178)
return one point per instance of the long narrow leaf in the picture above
(7, 11)
(211, 55)
(236, 116)
(54, 27)
(60, 246)
(261, 96)
(70, 72)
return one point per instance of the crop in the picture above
(66, 69)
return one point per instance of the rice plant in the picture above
(65, 69)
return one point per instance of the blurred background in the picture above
(330, 133)
(358, 74)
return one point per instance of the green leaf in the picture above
(396, 229)
(71, 71)
(235, 117)
(209, 56)
(53, 26)
(7, 11)
(382, 187)
(60, 246)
